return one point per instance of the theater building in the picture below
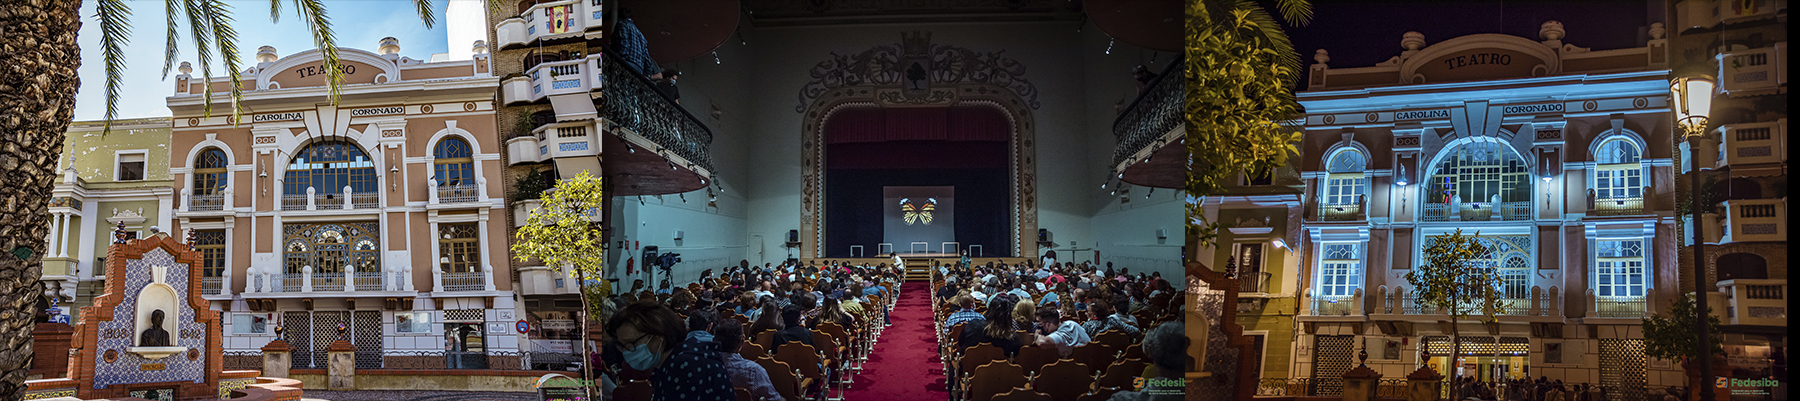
(378, 214)
(1558, 157)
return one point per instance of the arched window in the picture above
(1741, 265)
(328, 167)
(209, 172)
(1479, 177)
(1344, 185)
(1618, 174)
(453, 163)
(328, 248)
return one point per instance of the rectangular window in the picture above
(459, 251)
(1620, 267)
(211, 244)
(249, 323)
(131, 166)
(1344, 189)
(1341, 274)
(412, 322)
(1619, 181)
(1265, 177)
(1249, 257)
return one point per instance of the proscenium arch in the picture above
(1023, 155)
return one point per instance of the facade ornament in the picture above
(1657, 30)
(916, 65)
(1322, 56)
(1412, 41)
(1551, 31)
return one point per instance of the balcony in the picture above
(459, 193)
(566, 140)
(1752, 72)
(1148, 150)
(211, 285)
(550, 21)
(346, 200)
(665, 148)
(1617, 307)
(1761, 302)
(1753, 143)
(525, 149)
(1618, 207)
(1349, 212)
(307, 282)
(1538, 304)
(1254, 283)
(466, 281)
(1341, 305)
(1753, 220)
(566, 83)
(1479, 211)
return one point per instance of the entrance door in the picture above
(755, 253)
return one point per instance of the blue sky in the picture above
(358, 24)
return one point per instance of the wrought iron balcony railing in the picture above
(470, 281)
(1349, 212)
(206, 202)
(211, 285)
(1624, 307)
(1254, 282)
(1151, 116)
(633, 103)
(1618, 207)
(1507, 211)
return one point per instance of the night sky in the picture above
(1360, 34)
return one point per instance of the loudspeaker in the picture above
(1043, 235)
(793, 236)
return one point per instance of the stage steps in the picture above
(918, 269)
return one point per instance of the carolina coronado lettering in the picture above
(379, 111)
(1421, 114)
(1533, 108)
(1477, 59)
(277, 117)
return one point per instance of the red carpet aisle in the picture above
(905, 363)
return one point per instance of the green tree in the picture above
(1671, 338)
(1239, 96)
(1451, 280)
(565, 234)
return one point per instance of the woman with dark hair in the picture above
(996, 329)
(768, 319)
(831, 312)
(652, 337)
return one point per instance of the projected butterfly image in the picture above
(920, 213)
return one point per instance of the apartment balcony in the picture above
(1349, 212)
(540, 280)
(1149, 149)
(1752, 220)
(662, 147)
(569, 86)
(1334, 305)
(463, 281)
(1753, 72)
(1753, 144)
(1618, 206)
(525, 149)
(550, 22)
(217, 203)
(1761, 302)
(1709, 13)
(346, 200)
(1616, 307)
(457, 194)
(307, 283)
(1476, 211)
(1254, 283)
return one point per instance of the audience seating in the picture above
(742, 394)
(1135, 351)
(1121, 373)
(807, 361)
(1100, 394)
(1021, 394)
(1115, 339)
(1095, 355)
(634, 390)
(992, 378)
(766, 339)
(1063, 380)
(752, 350)
(787, 381)
(1033, 358)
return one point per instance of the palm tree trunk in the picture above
(38, 59)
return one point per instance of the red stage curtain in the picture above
(978, 123)
(856, 125)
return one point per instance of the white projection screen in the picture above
(918, 214)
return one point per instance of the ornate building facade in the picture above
(107, 180)
(1557, 157)
(376, 217)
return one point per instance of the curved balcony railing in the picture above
(633, 103)
(1151, 116)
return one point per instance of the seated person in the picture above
(1106, 317)
(966, 315)
(1166, 348)
(1065, 335)
(793, 330)
(996, 328)
(744, 373)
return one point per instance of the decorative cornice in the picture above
(890, 64)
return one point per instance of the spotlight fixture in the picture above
(1109, 45)
(683, 197)
(716, 60)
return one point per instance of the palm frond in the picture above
(425, 12)
(493, 7)
(218, 18)
(1297, 12)
(115, 30)
(172, 11)
(274, 11)
(313, 12)
(197, 22)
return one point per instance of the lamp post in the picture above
(1693, 103)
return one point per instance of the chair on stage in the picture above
(1022, 394)
(1121, 373)
(1063, 380)
(1100, 394)
(990, 379)
(635, 390)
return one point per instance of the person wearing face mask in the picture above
(652, 338)
(1062, 334)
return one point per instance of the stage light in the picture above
(683, 198)
(1109, 45)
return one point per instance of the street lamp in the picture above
(1693, 103)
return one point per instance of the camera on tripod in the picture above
(663, 260)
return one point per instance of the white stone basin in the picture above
(154, 353)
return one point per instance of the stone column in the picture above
(276, 356)
(1359, 383)
(340, 359)
(1424, 384)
